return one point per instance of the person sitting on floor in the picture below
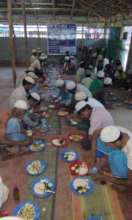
(21, 77)
(14, 130)
(34, 56)
(112, 149)
(63, 96)
(97, 117)
(72, 88)
(97, 86)
(81, 96)
(22, 92)
(31, 117)
(80, 72)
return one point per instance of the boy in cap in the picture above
(113, 143)
(31, 117)
(22, 92)
(34, 56)
(64, 97)
(14, 130)
(98, 118)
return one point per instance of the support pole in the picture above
(12, 41)
(25, 33)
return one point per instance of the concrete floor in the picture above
(122, 115)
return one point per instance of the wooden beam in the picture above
(12, 41)
(25, 33)
(73, 6)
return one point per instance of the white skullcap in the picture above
(70, 85)
(34, 51)
(79, 106)
(100, 74)
(35, 96)
(29, 79)
(60, 83)
(21, 104)
(106, 61)
(79, 96)
(33, 75)
(81, 62)
(110, 134)
(107, 81)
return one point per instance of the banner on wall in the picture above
(61, 38)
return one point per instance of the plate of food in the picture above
(82, 186)
(27, 211)
(76, 137)
(43, 187)
(63, 113)
(37, 145)
(79, 168)
(68, 155)
(59, 141)
(36, 167)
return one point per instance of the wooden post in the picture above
(25, 33)
(12, 41)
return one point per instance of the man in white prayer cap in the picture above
(22, 92)
(115, 144)
(14, 130)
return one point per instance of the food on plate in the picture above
(76, 137)
(29, 133)
(70, 156)
(27, 212)
(37, 145)
(81, 185)
(43, 187)
(58, 141)
(80, 169)
(63, 113)
(35, 167)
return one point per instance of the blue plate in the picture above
(88, 192)
(39, 142)
(65, 150)
(48, 180)
(43, 167)
(21, 205)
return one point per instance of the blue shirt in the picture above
(13, 130)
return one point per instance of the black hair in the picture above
(84, 108)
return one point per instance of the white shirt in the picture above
(99, 118)
(18, 94)
(128, 147)
(94, 103)
(82, 88)
(36, 64)
(32, 59)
